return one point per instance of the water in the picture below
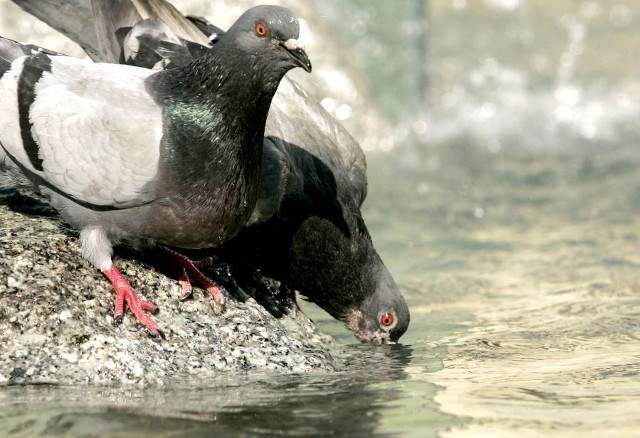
(506, 204)
(543, 273)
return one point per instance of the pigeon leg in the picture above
(191, 269)
(124, 292)
(185, 283)
(292, 294)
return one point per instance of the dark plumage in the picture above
(307, 230)
(123, 154)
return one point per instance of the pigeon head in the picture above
(273, 32)
(341, 272)
(383, 316)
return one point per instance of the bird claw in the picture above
(124, 292)
(191, 269)
(159, 333)
(186, 295)
(185, 285)
(219, 307)
(217, 294)
(139, 307)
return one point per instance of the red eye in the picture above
(386, 319)
(262, 30)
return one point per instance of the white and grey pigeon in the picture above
(307, 229)
(126, 154)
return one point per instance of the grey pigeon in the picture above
(307, 229)
(126, 154)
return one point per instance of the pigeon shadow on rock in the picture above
(29, 204)
(237, 277)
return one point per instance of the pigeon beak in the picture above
(296, 50)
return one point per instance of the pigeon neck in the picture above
(348, 264)
(231, 77)
(215, 112)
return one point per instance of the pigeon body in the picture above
(306, 230)
(124, 153)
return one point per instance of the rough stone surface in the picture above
(56, 323)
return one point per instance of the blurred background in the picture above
(503, 162)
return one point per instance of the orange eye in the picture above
(262, 30)
(386, 319)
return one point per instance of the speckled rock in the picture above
(56, 323)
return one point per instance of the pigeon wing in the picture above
(90, 131)
(303, 123)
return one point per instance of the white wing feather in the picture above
(97, 128)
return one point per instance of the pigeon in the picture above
(169, 158)
(306, 230)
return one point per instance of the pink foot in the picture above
(191, 269)
(124, 292)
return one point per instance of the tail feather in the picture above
(72, 18)
(110, 17)
(94, 23)
(151, 44)
(162, 10)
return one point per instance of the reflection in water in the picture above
(303, 404)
